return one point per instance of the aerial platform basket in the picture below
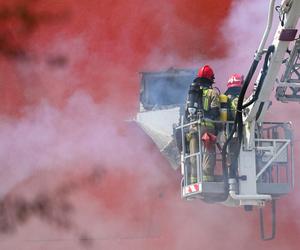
(273, 165)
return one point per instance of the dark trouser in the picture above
(233, 149)
(208, 155)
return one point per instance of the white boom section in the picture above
(247, 191)
(275, 64)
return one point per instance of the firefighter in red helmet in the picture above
(234, 86)
(202, 104)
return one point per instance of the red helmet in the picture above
(206, 72)
(236, 80)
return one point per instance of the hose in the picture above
(238, 122)
(262, 77)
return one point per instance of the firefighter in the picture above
(202, 103)
(234, 87)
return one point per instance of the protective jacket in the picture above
(233, 96)
(204, 99)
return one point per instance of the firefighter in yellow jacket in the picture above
(202, 103)
(234, 87)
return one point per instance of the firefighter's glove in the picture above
(192, 111)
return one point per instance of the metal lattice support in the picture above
(288, 88)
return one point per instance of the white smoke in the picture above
(46, 137)
(84, 132)
(243, 31)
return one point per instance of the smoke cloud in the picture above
(69, 80)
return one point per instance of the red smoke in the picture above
(100, 45)
(69, 79)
